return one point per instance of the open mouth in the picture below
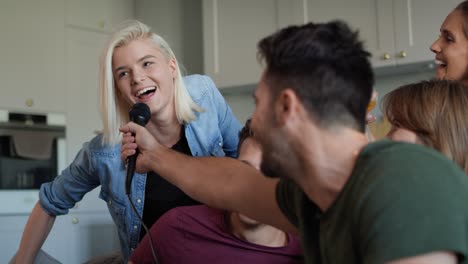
(440, 63)
(145, 92)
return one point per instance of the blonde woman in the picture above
(188, 114)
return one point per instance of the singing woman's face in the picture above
(143, 74)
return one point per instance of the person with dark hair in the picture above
(432, 113)
(350, 201)
(451, 48)
(201, 234)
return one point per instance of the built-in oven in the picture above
(32, 152)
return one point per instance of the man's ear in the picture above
(286, 105)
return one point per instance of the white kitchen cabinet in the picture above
(75, 237)
(99, 15)
(396, 32)
(83, 118)
(80, 236)
(231, 31)
(373, 19)
(85, 232)
(11, 228)
(32, 55)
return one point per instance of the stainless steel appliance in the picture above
(30, 150)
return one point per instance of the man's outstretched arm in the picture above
(216, 181)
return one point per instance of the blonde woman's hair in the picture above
(437, 112)
(114, 109)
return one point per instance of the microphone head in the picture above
(140, 114)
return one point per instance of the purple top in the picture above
(198, 234)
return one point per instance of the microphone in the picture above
(139, 114)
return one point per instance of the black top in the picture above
(160, 195)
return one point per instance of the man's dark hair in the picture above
(244, 134)
(326, 66)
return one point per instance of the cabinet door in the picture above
(11, 228)
(83, 118)
(60, 242)
(417, 24)
(231, 31)
(93, 235)
(32, 55)
(373, 19)
(56, 245)
(74, 238)
(98, 15)
(78, 237)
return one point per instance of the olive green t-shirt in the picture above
(401, 200)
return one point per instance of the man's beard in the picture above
(270, 166)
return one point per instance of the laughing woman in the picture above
(451, 48)
(188, 114)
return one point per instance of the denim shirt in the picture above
(213, 133)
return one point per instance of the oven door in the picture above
(20, 187)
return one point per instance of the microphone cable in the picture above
(153, 252)
(140, 114)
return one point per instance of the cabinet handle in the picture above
(402, 54)
(75, 220)
(102, 24)
(29, 102)
(386, 56)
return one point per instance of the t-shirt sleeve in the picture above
(418, 207)
(286, 193)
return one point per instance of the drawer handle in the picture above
(29, 102)
(386, 56)
(403, 54)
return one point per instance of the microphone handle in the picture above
(131, 164)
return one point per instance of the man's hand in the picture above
(136, 136)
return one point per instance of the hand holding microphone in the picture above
(139, 114)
